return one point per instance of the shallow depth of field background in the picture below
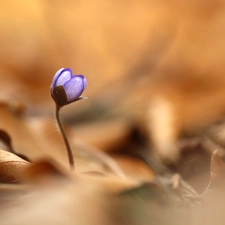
(156, 84)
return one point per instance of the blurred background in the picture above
(115, 45)
(143, 140)
(155, 68)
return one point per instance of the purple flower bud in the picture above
(67, 88)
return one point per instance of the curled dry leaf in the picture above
(187, 194)
(11, 167)
(217, 171)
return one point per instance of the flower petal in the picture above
(74, 87)
(64, 76)
(84, 81)
(55, 78)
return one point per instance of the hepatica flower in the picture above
(66, 87)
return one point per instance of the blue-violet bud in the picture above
(67, 88)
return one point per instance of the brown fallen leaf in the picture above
(217, 171)
(11, 167)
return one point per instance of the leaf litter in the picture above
(115, 188)
(145, 143)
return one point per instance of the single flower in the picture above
(66, 87)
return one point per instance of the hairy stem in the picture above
(68, 148)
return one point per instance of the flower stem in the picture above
(68, 148)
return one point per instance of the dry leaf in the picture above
(217, 171)
(11, 167)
